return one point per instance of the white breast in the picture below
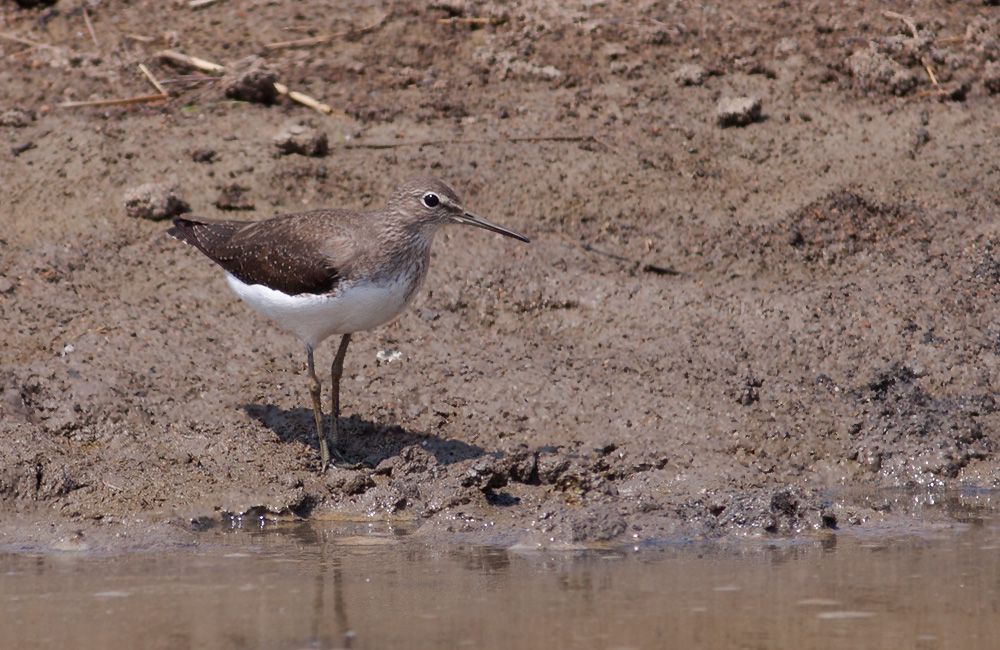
(313, 318)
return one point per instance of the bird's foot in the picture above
(335, 459)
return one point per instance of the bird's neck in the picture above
(409, 249)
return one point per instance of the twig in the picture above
(24, 41)
(456, 19)
(303, 42)
(21, 148)
(930, 71)
(575, 243)
(318, 40)
(189, 79)
(190, 61)
(116, 102)
(396, 145)
(208, 66)
(198, 4)
(913, 30)
(90, 28)
(427, 143)
(909, 21)
(590, 250)
(614, 256)
(152, 79)
(17, 55)
(305, 100)
(655, 269)
(556, 138)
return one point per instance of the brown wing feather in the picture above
(282, 253)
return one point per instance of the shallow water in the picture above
(368, 586)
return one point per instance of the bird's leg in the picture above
(314, 391)
(335, 373)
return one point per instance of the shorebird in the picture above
(326, 272)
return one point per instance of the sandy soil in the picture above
(725, 323)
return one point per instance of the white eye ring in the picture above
(431, 200)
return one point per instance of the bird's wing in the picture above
(282, 253)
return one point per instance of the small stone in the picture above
(155, 201)
(921, 137)
(485, 474)
(357, 483)
(16, 117)
(738, 111)
(959, 93)
(991, 77)
(17, 150)
(233, 197)
(302, 139)
(615, 51)
(204, 155)
(251, 80)
(691, 75)
(786, 46)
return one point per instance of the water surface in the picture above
(367, 586)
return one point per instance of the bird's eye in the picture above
(431, 200)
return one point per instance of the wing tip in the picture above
(181, 227)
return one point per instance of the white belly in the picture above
(313, 318)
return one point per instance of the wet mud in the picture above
(762, 284)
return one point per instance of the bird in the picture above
(333, 271)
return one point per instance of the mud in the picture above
(716, 330)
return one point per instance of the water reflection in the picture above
(364, 586)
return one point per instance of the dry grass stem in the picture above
(318, 40)
(115, 102)
(90, 28)
(152, 79)
(474, 21)
(907, 20)
(190, 61)
(303, 99)
(24, 41)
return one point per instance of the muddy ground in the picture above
(725, 324)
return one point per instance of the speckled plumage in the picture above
(331, 272)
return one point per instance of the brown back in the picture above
(277, 253)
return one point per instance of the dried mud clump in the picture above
(251, 80)
(738, 111)
(155, 201)
(234, 197)
(877, 73)
(982, 36)
(17, 118)
(991, 78)
(691, 75)
(301, 139)
(204, 155)
(844, 223)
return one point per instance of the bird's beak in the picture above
(473, 220)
